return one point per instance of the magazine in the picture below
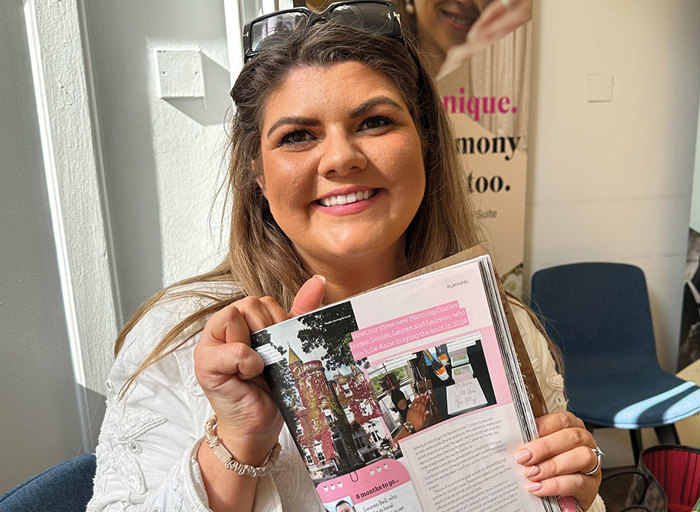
(345, 376)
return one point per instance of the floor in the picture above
(613, 490)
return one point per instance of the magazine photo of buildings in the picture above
(323, 395)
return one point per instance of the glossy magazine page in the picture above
(404, 399)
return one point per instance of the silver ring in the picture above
(599, 455)
(507, 3)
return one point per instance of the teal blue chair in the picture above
(66, 487)
(598, 315)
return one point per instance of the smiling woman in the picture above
(343, 176)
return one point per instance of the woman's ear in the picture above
(259, 179)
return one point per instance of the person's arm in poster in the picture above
(498, 19)
(415, 417)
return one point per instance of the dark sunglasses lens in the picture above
(370, 16)
(270, 31)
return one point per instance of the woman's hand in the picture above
(229, 371)
(418, 411)
(556, 462)
(495, 22)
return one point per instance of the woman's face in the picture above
(342, 165)
(445, 23)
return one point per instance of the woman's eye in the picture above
(295, 137)
(374, 122)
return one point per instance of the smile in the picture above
(463, 22)
(352, 197)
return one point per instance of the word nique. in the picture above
(476, 106)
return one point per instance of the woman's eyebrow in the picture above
(304, 121)
(357, 112)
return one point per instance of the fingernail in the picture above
(523, 456)
(535, 486)
(321, 278)
(532, 471)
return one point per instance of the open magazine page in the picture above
(345, 377)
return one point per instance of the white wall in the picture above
(612, 181)
(161, 162)
(161, 158)
(39, 422)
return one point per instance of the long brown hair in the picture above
(261, 260)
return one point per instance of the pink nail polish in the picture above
(535, 486)
(523, 456)
(533, 471)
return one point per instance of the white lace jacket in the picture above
(146, 457)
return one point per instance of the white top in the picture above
(146, 456)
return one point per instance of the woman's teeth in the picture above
(457, 19)
(352, 197)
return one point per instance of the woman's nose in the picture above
(341, 155)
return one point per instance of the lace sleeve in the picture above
(147, 441)
(597, 506)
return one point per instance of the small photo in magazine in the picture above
(323, 393)
(344, 505)
(453, 376)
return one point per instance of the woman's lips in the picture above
(345, 204)
(458, 21)
(352, 197)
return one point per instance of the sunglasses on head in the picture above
(272, 29)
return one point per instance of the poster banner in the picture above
(479, 52)
(689, 348)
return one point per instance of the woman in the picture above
(341, 167)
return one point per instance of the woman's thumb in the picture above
(309, 296)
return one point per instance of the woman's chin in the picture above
(359, 253)
(355, 252)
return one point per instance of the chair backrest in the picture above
(66, 487)
(595, 313)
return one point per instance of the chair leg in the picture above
(667, 434)
(636, 438)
